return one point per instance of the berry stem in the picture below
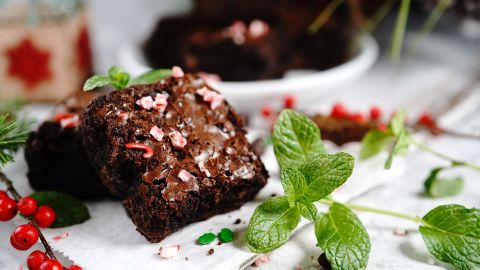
(454, 162)
(362, 208)
(31, 220)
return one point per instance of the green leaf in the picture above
(118, 78)
(374, 142)
(68, 209)
(341, 235)
(452, 234)
(294, 184)
(296, 139)
(437, 187)
(397, 123)
(96, 81)
(151, 76)
(271, 225)
(325, 173)
(309, 211)
(400, 147)
(206, 238)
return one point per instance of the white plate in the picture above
(250, 96)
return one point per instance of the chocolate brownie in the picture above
(55, 155)
(175, 152)
(341, 131)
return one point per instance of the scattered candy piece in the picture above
(206, 238)
(157, 133)
(161, 102)
(185, 176)
(70, 122)
(141, 146)
(213, 97)
(177, 72)
(122, 115)
(169, 252)
(60, 116)
(375, 112)
(266, 111)
(60, 237)
(201, 166)
(289, 101)
(226, 235)
(178, 141)
(146, 103)
(258, 28)
(209, 77)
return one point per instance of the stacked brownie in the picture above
(251, 39)
(341, 131)
(55, 154)
(175, 152)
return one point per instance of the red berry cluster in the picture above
(288, 102)
(26, 235)
(340, 111)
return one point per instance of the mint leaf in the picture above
(325, 173)
(341, 235)
(151, 76)
(374, 142)
(294, 184)
(96, 81)
(271, 225)
(452, 234)
(437, 187)
(296, 139)
(68, 209)
(118, 78)
(400, 147)
(398, 122)
(309, 211)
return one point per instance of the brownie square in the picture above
(175, 152)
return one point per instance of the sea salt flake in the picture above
(157, 133)
(169, 251)
(185, 176)
(177, 72)
(178, 141)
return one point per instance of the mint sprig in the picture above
(309, 175)
(120, 79)
(437, 187)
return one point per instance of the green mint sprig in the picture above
(397, 141)
(309, 176)
(120, 79)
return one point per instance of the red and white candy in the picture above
(178, 141)
(177, 72)
(169, 251)
(157, 133)
(185, 176)
(146, 103)
(160, 102)
(215, 99)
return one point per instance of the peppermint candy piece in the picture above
(178, 141)
(157, 133)
(169, 251)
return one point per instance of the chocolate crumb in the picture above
(211, 251)
(237, 221)
(219, 243)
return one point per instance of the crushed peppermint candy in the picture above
(177, 72)
(262, 260)
(185, 176)
(209, 77)
(177, 139)
(70, 122)
(146, 103)
(157, 133)
(258, 28)
(169, 251)
(215, 99)
(400, 232)
(60, 237)
(201, 166)
(161, 102)
(122, 115)
(141, 146)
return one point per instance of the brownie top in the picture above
(179, 134)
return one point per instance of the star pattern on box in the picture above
(28, 63)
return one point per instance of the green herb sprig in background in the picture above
(309, 175)
(120, 79)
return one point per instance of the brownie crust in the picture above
(201, 165)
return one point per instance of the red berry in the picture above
(357, 117)
(375, 113)
(27, 206)
(51, 265)
(339, 111)
(25, 235)
(74, 267)
(426, 119)
(35, 259)
(16, 245)
(45, 216)
(289, 101)
(382, 127)
(266, 111)
(8, 208)
(3, 194)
